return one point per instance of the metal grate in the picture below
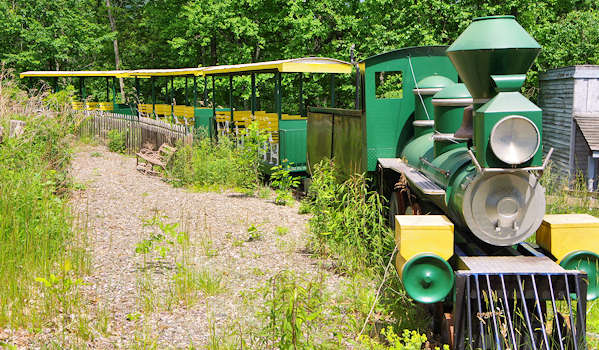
(520, 310)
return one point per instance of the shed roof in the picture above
(589, 126)
(81, 73)
(146, 73)
(294, 65)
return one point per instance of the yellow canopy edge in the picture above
(147, 73)
(295, 65)
(83, 73)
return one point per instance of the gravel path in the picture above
(131, 292)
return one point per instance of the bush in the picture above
(222, 164)
(117, 141)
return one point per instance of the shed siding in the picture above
(581, 152)
(555, 98)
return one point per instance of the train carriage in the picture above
(287, 131)
(84, 100)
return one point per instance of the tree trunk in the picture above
(117, 58)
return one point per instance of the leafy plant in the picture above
(283, 183)
(292, 311)
(254, 233)
(61, 289)
(117, 141)
(409, 340)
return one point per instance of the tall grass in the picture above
(228, 163)
(36, 229)
(348, 218)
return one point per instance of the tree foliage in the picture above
(76, 34)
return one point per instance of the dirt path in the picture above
(133, 294)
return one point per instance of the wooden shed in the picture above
(569, 97)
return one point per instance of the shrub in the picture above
(117, 141)
(223, 164)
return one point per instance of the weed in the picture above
(409, 340)
(117, 141)
(292, 311)
(254, 233)
(282, 230)
(61, 290)
(264, 192)
(96, 154)
(283, 183)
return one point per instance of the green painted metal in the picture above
(495, 45)
(203, 121)
(153, 96)
(107, 89)
(427, 278)
(423, 108)
(137, 97)
(195, 91)
(448, 118)
(231, 96)
(335, 133)
(253, 98)
(171, 97)
(302, 110)
(332, 91)
(82, 91)
(292, 144)
(387, 125)
(213, 99)
(205, 91)
(588, 262)
(419, 147)
(503, 105)
(114, 92)
(278, 94)
(186, 97)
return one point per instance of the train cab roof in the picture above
(294, 65)
(413, 51)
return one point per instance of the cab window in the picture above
(388, 85)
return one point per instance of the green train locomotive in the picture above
(462, 162)
(457, 150)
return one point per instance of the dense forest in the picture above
(134, 34)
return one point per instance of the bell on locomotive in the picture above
(500, 201)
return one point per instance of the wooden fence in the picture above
(139, 130)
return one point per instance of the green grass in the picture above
(37, 234)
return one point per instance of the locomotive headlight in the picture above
(515, 139)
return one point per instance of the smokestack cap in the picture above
(493, 45)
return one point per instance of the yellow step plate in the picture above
(415, 234)
(564, 233)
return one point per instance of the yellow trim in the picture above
(564, 233)
(53, 74)
(296, 65)
(415, 234)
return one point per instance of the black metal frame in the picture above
(482, 298)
